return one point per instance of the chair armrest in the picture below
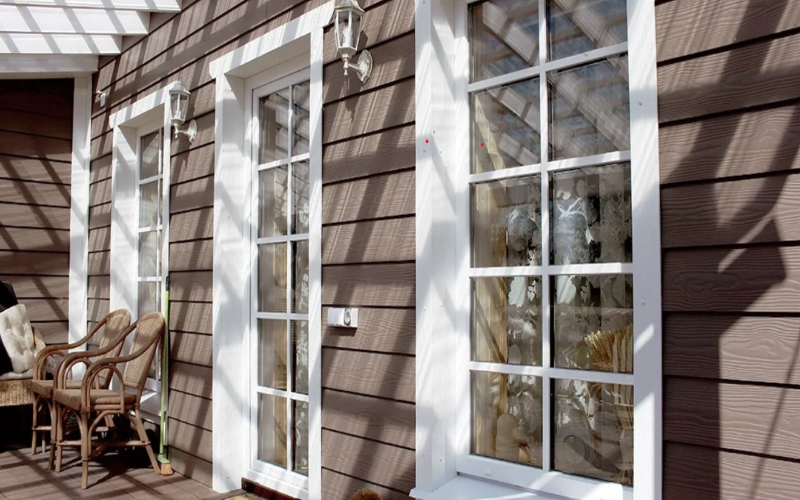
(66, 366)
(92, 373)
(41, 360)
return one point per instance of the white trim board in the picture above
(231, 306)
(147, 5)
(442, 151)
(46, 65)
(51, 20)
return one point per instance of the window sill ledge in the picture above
(467, 488)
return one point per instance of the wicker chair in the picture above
(98, 404)
(112, 326)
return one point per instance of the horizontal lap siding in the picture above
(35, 156)
(729, 88)
(368, 253)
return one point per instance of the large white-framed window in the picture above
(267, 238)
(140, 215)
(280, 276)
(549, 177)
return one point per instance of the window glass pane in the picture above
(272, 278)
(505, 126)
(272, 429)
(589, 109)
(591, 214)
(300, 277)
(300, 197)
(593, 322)
(507, 417)
(150, 149)
(150, 204)
(300, 437)
(504, 37)
(148, 298)
(507, 320)
(272, 201)
(300, 126)
(300, 352)
(593, 431)
(149, 256)
(274, 122)
(506, 223)
(272, 353)
(577, 27)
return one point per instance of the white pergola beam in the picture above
(39, 43)
(144, 5)
(31, 19)
(47, 66)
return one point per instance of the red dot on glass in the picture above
(426, 141)
(481, 144)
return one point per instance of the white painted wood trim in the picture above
(46, 66)
(79, 209)
(59, 44)
(442, 67)
(231, 295)
(146, 5)
(51, 20)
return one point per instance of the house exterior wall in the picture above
(728, 85)
(35, 171)
(368, 232)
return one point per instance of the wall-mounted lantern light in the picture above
(348, 15)
(178, 105)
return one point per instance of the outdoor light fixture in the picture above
(179, 103)
(348, 15)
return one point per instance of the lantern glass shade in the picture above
(348, 27)
(179, 103)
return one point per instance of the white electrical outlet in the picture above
(343, 317)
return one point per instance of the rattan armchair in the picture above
(112, 326)
(92, 405)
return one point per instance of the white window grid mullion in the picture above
(150, 229)
(589, 269)
(546, 270)
(549, 67)
(507, 173)
(544, 142)
(592, 376)
(149, 279)
(281, 316)
(282, 239)
(289, 279)
(284, 161)
(280, 393)
(255, 215)
(154, 178)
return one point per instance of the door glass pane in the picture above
(591, 215)
(589, 109)
(272, 278)
(301, 129)
(148, 298)
(272, 353)
(300, 277)
(593, 322)
(593, 431)
(150, 149)
(149, 258)
(150, 204)
(272, 429)
(300, 196)
(506, 223)
(300, 437)
(274, 118)
(507, 417)
(300, 352)
(272, 201)
(505, 37)
(507, 320)
(578, 27)
(505, 126)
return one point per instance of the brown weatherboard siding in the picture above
(729, 106)
(368, 175)
(35, 155)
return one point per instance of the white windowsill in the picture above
(467, 488)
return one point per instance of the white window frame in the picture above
(236, 74)
(129, 124)
(257, 87)
(445, 470)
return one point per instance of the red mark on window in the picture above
(481, 144)
(426, 141)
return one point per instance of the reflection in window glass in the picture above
(591, 215)
(505, 37)
(300, 437)
(150, 161)
(507, 320)
(272, 429)
(589, 109)
(300, 194)
(593, 322)
(272, 353)
(505, 126)
(274, 118)
(507, 417)
(594, 430)
(575, 27)
(272, 201)
(272, 277)
(300, 96)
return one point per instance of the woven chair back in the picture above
(149, 331)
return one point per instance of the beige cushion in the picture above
(17, 336)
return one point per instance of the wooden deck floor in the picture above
(114, 477)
